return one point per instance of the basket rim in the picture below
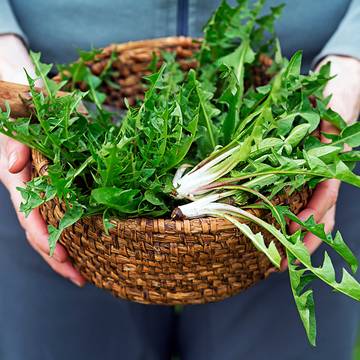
(201, 225)
(196, 225)
(153, 43)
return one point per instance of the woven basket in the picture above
(161, 261)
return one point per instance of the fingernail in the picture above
(12, 159)
(77, 282)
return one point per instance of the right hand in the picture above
(15, 165)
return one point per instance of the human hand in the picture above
(15, 166)
(345, 90)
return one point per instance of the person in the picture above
(43, 316)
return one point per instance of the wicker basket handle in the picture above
(18, 96)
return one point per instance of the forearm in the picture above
(14, 58)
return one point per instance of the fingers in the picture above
(18, 155)
(37, 234)
(311, 241)
(38, 238)
(328, 128)
(64, 269)
(322, 200)
(14, 155)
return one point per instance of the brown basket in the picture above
(162, 261)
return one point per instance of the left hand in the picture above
(15, 165)
(345, 90)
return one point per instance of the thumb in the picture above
(18, 155)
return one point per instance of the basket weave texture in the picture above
(162, 261)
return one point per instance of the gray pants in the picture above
(44, 317)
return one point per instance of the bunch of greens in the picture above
(245, 139)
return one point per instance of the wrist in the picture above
(342, 63)
(341, 60)
(14, 58)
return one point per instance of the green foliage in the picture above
(304, 299)
(261, 132)
(258, 240)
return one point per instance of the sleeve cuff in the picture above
(346, 39)
(8, 22)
